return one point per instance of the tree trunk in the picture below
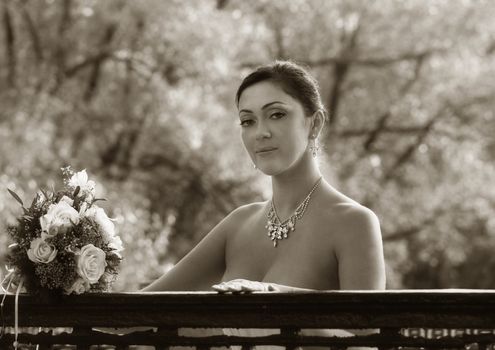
(10, 47)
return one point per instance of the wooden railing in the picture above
(393, 319)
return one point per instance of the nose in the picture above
(262, 131)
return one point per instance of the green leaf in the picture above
(76, 192)
(35, 199)
(58, 196)
(17, 198)
(98, 199)
(44, 193)
(77, 200)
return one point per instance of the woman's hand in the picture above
(244, 286)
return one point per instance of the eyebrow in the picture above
(264, 107)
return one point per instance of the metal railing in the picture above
(440, 319)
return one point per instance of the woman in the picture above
(337, 242)
(308, 236)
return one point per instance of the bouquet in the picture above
(64, 242)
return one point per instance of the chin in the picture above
(270, 170)
(276, 168)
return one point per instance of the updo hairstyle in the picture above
(293, 79)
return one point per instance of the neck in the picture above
(291, 187)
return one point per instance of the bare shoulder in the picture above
(355, 225)
(345, 216)
(354, 218)
(245, 212)
(350, 224)
(358, 247)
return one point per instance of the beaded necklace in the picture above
(278, 230)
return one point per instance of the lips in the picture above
(265, 150)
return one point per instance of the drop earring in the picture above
(254, 166)
(313, 148)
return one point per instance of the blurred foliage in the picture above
(141, 94)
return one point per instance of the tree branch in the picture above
(422, 132)
(141, 67)
(456, 109)
(405, 233)
(384, 130)
(379, 128)
(9, 42)
(373, 62)
(363, 61)
(219, 192)
(95, 71)
(490, 50)
(419, 62)
(35, 38)
(340, 71)
(221, 4)
(279, 41)
(409, 151)
(382, 121)
(60, 52)
(88, 61)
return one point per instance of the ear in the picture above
(317, 124)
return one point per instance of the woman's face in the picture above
(274, 128)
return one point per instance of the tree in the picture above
(141, 94)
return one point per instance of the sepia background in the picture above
(141, 94)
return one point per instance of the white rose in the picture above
(116, 244)
(104, 222)
(91, 263)
(90, 212)
(83, 208)
(41, 252)
(59, 218)
(81, 179)
(67, 200)
(78, 287)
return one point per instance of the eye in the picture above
(246, 122)
(277, 115)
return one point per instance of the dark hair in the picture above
(292, 78)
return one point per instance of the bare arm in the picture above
(198, 270)
(360, 251)
(203, 266)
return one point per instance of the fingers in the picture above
(242, 286)
(222, 287)
(230, 286)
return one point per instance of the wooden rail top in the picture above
(449, 308)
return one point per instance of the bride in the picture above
(308, 236)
